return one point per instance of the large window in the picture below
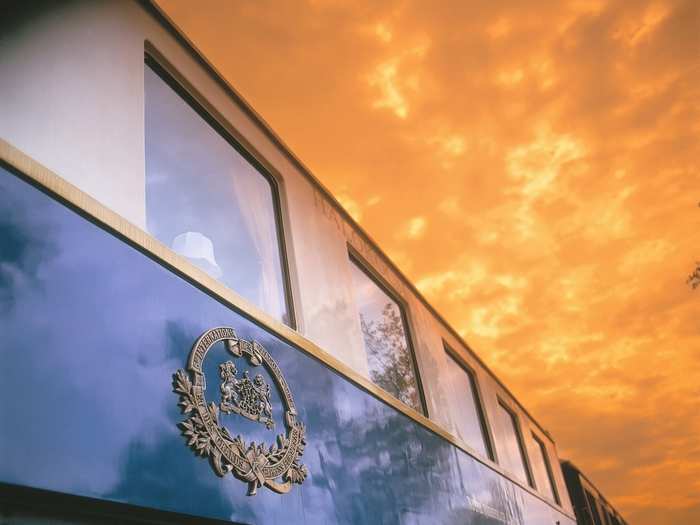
(207, 201)
(466, 405)
(389, 354)
(545, 476)
(512, 450)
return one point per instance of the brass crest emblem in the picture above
(277, 466)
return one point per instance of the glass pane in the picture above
(465, 411)
(543, 471)
(511, 453)
(389, 357)
(206, 201)
(593, 508)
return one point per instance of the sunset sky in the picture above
(534, 168)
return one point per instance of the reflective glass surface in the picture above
(208, 203)
(543, 471)
(465, 411)
(93, 331)
(510, 451)
(389, 357)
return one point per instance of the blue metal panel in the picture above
(92, 331)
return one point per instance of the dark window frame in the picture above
(521, 442)
(478, 401)
(177, 82)
(548, 467)
(606, 514)
(593, 507)
(355, 258)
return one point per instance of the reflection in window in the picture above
(466, 406)
(208, 203)
(389, 357)
(512, 451)
(545, 477)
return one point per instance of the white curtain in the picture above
(254, 198)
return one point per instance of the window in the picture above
(593, 507)
(466, 406)
(545, 475)
(512, 452)
(390, 358)
(606, 515)
(207, 201)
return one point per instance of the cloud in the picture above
(351, 206)
(385, 79)
(394, 84)
(415, 228)
(383, 33)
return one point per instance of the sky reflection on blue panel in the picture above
(93, 331)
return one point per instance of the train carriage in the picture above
(194, 330)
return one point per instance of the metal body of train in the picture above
(194, 331)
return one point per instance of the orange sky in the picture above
(533, 167)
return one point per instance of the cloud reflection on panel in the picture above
(70, 380)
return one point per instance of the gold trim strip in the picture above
(110, 220)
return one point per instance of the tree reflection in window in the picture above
(389, 357)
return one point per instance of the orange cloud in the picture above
(549, 158)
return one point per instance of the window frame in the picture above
(177, 82)
(486, 432)
(593, 507)
(521, 442)
(548, 467)
(355, 258)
